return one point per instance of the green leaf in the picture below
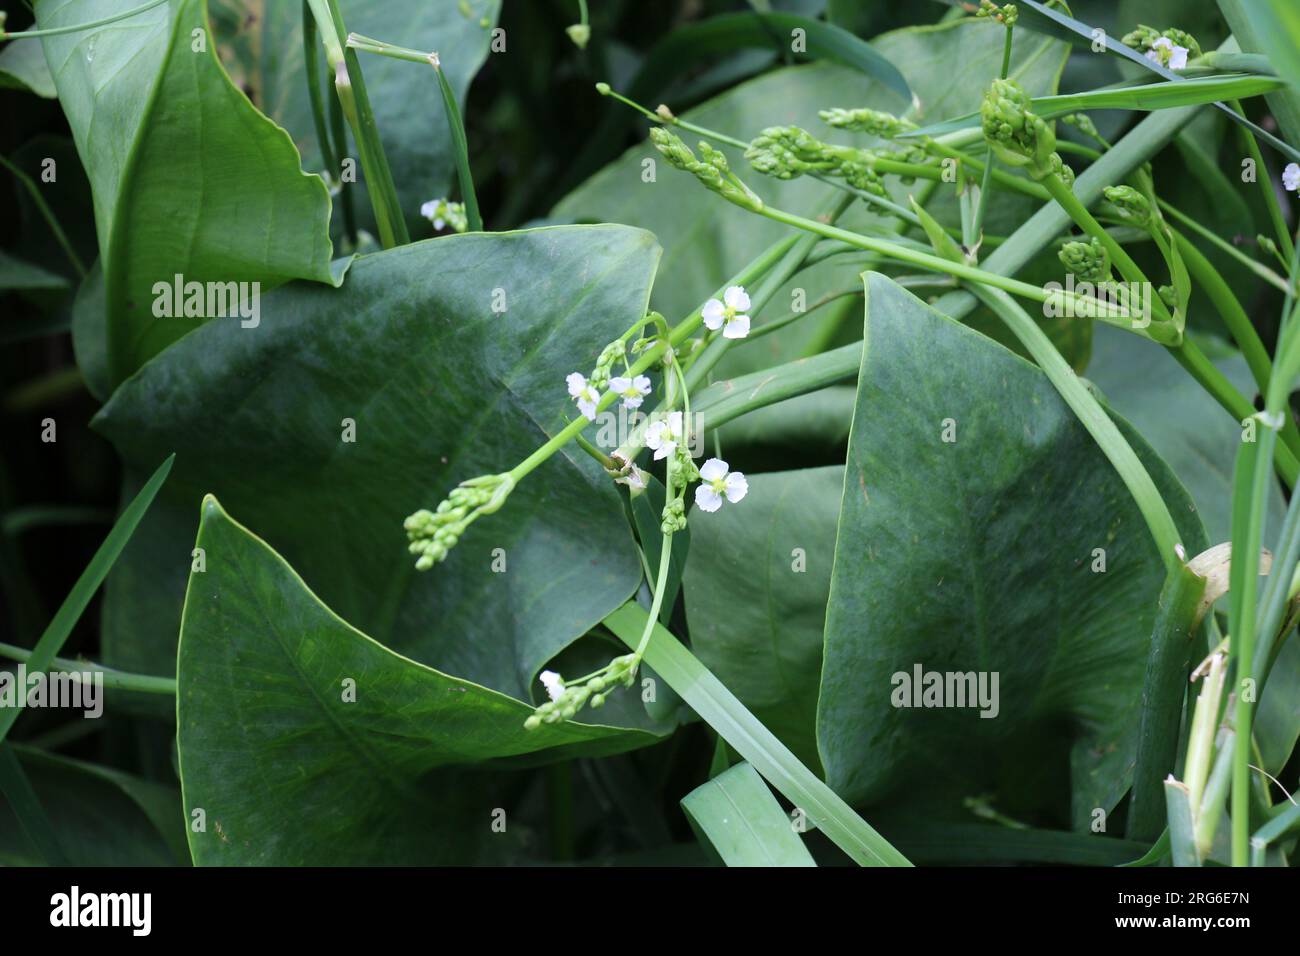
(308, 743)
(104, 817)
(15, 274)
(756, 587)
(704, 240)
(31, 818)
(188, 178)
(23, 66)
(736, 816)
(408, 111)
(720, 709)
(976, 556)
(726, 33)
(74, 605)
(1272, 28)
(441, 388)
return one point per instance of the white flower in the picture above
(727, 314)
(431, 211)
(664, 434)
(716, 483)
(1165, 52)
(443, 214)
(632, 390)
(553, 683)
(584, 394)
(1291, 177)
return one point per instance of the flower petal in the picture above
(706, 499)
(713, 469)
(736, 487)
(620, 384)
(577, 382)
(736, 298)
(642, 384)
(737, 328)
(712, 314)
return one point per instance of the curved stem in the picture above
(78, 27)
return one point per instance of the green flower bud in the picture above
(1007, 14)
(1168, 296)
(1142, 38)
(579, 33)
(712, 171)
(1131, 205)
(1088, 261)
(872, 122)
(1016, 135)
(598, 700)
(532, 723)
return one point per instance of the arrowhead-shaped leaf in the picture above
(188, 178)
(977, 556)
(305, 742)
(440, 388)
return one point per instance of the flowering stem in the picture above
(454, 122)
(350, 84)
(937, 263)
(78, 27)
(679, 334)
(978, 224)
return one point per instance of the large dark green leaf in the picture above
(408, 109)
(977, 556)
(756, 586)
(305, 742)
(23, 66)
(441, 389)
(188, 177)
(705, 239)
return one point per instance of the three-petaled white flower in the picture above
(1167, 53)
(1291, 178)
(553, 683)
(728, 314)
(716, 483)
(631, 390)
(584, 393)
(664, 435)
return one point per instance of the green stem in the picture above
(458, 137)
(1266, 185)
(345, 188)
(78, 27)
(1234, 316)
(311, 64)
(350, 84)
(925, 260)
(47, 214)
(113, 679)
(1261, 270)
(978, 225)
(1163, 687)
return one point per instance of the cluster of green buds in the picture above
(872, 122)
(1017, 136)
(611, 353)
(1086, 261)
(711, 169)
(432, 534)
(567, 699)
(1130, 205)
(787, 152)
(1007, 14)
(1144, 38)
